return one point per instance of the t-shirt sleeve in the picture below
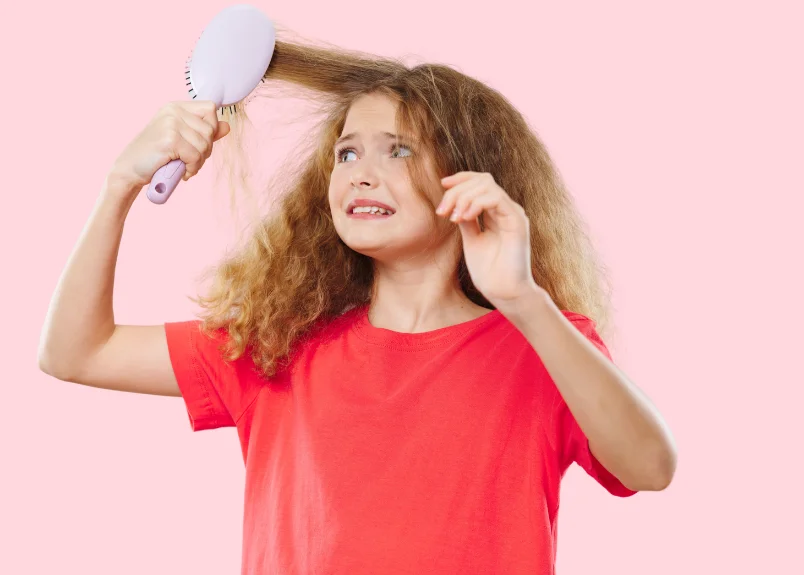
(573, 443)
(213, 389)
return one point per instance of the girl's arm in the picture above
(79, 341)
(626, 433)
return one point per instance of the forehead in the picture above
(375, 110)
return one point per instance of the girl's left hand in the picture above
(498, 258)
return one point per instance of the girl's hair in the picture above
(294, 272)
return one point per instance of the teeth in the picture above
(370, 210)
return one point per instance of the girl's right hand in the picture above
(179, 130)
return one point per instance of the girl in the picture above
(408, 346)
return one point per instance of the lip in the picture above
(363, 202)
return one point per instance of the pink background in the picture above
(679, 131)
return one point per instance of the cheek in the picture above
(336, 191)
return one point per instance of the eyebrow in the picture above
(388, 135)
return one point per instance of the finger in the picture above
(204, 109)
(463, 200)
(223, 129)
(460, 196)
(205, 146)
(469, 229)
(187, 153)
(502, 212)
(450, 197)
(457, 178)
(202, 127)
(217, 128)
(195, 150)
(479, 203)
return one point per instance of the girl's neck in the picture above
(416, 317)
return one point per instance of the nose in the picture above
(363, 177)
(363, 181)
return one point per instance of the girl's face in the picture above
(371, 165)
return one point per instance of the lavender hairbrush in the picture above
(227, 64)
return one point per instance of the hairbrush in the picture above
(227, 64)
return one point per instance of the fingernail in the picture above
(454, 215)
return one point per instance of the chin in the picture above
(371, 246)
(373, 250)
(383, 244)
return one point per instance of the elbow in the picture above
(43, 356)
(50, 356)
(43, 360)
(46, 366)
(660, 479)
(666, 470)
(43, 365)
(50, 367)
(665, 466)
(657, 471)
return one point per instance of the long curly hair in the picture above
(294, 273)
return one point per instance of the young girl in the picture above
(408, 345)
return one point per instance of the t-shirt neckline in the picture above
(422, 340)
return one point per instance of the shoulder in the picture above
(588, 327)
(192, 334)
(326, 329)
(578, 318)
(584, 324)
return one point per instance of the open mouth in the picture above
(369, 212)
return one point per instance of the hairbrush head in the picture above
(231, 56)
(227, 64)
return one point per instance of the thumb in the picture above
(223, 129)
(469, 230)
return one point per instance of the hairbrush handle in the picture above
(165, 181)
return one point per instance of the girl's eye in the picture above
(343, 151)
(401, 147)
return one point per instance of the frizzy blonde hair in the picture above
(294, 272)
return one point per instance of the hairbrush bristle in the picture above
(187, 78)
(247, 100)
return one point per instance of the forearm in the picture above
(80, 317)
(625, 431)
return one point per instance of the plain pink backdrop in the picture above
(677, 127)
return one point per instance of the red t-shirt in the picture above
(377, 451)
